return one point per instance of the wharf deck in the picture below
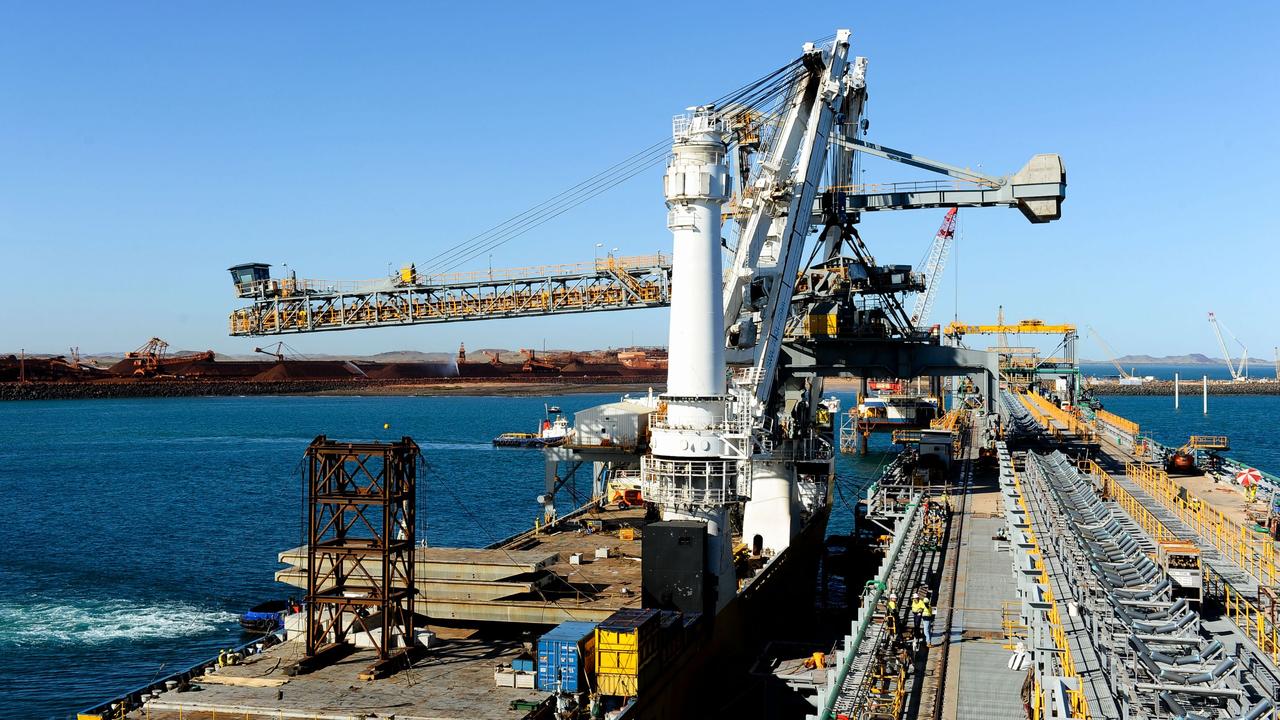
(1227, 498)
(487, 603)
(456, 681)
(1222, 497)
(979, 684)
(1241, 580)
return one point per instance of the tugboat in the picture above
(555, 430)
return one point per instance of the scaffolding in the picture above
(361, 500)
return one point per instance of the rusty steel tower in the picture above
(360, 542)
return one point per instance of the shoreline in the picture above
(110, 390)
(506, 387)
(1187, 388)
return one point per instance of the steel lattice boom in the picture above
(280, 306)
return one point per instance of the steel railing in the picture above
(1253, 552)
(1252, 620)
(1066, 659)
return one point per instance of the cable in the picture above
(758, 92)
(644, 156)
(485, 529)
(610, 179)
(537, 219)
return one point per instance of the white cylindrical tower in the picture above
(690, 472)
(696, 188)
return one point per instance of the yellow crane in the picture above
(958, 329)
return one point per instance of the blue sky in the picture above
(145, 147)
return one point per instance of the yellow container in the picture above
(625, 644)
(617, 685)
(617, 652)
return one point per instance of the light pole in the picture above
(597, 255)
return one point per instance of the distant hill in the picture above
(1192, 359)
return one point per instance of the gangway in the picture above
(292, 305)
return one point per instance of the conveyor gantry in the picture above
(290, 305)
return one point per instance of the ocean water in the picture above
(1251, 422)
(1166, 372)
(137, 530)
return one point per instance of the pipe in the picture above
(1257, 711)
(868, 607)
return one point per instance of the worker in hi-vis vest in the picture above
(922, 615)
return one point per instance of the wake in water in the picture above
(99, 622)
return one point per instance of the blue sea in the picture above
(1166, 372)
(1251, 422)
(136, 530)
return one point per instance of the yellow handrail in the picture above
(1251, 620)
(1122, 424)
(1209, 442)
(1067, 661)
(1258, 625)
(1048, 410)
(1252, 552)
(1127, 502)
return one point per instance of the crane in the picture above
(1111, 354)
(277, 351)
(151, 356)
(1239, 371)
(737, 437)
(933, 266)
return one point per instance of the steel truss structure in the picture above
(299, 306)
(360, 545)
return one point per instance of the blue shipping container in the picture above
(566, 657)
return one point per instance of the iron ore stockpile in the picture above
(1029, 555)
(149, 372)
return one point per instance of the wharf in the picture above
(487, 607)
(455, 681)
(1223, 497)
(1230, 547)
(978, 683)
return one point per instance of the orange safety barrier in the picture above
(1124, 425)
